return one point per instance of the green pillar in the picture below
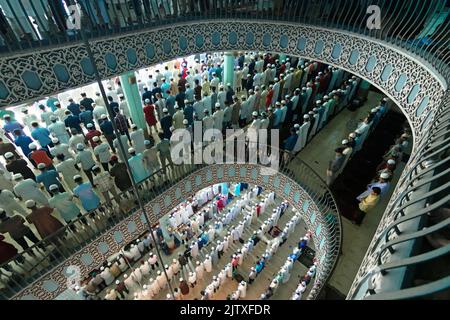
(133, 98)
(228, 69)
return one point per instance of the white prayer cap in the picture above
(255, 113)
(93, 104)
(41, 165)
(391, 161)
(296, 126)
(159, 272)
(17, 176)
(80, 146)
(326, 97)
(89, 125)
(217, 105)
(185, 121)
(76, 177)
(315, 110)
(32, 146)
(276, 79)
(30, 203)
(306, 116)
(131, 150)
(229, 84)
(374, 110)
(319, 102)
(283, 101)
(6, 116)
(165, 110)
(385, 99)
(9, 155)
(345, 141)
(176, 106)
(121, 95)
(103, 116)
(164, 79)
(278, 104)
(250, 91)
(147, 100)
(134, 126)
(291, 69)
(172, 129)
(96, 139)
(270, 109)
(352, 135)
(385, 175)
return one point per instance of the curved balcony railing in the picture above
(388, 270)
(420, 27)
(27, 267)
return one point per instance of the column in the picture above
(228, 69)
(133, 98)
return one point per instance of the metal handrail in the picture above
(308, 180)
(403, 22)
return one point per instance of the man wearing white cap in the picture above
(218, 117)
(60, 148)
(58, 130)
(208, 121)
(102, 152)
(256, 123)
(150, 157)
(137, 139)
(276, 90)
(28, 190)
(85, 158)
(48, 177)
(98, 111)
(68, 169)
(123, 107)
(136, 162)
(64, 204)
(98, 100)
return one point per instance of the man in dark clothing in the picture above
(146, 95)
(113, 104)
(156, 90)
(86, 102)
(180, 97)
(108, 131)
(120, 174)
(166, 123)
(73, 121)
(17, 229)
(19, 166)
(74, 107)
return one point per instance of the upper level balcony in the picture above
(421, 27)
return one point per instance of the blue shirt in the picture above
(47, 178)
(42, 135)
(73, 121)
(11, 126)
(189, 114)
(23, 142)
(74, 108)
(89, 199)
(137, 168)
(189, 94)
(278, 113)
(107, 127)
(290, 142)
(86, 117)
(51, 103)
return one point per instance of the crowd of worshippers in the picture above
(149, 277)
(266, 93)
(72, 150)
(379, 186)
